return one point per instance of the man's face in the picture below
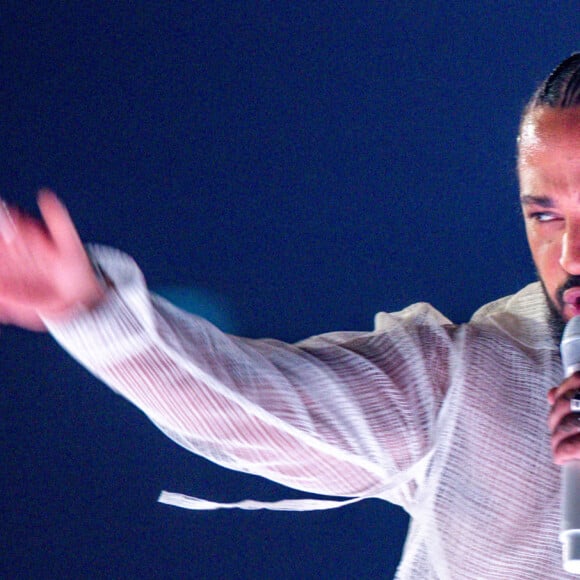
(549, 173)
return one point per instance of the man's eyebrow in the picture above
(540, 200)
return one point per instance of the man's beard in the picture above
(556, 321)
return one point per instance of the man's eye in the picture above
(542, 216)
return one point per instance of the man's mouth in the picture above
(571, 300)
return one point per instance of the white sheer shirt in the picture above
(447, 421)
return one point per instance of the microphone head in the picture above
(570, 347)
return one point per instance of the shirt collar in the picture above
(523, 316)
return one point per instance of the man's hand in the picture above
(564, 424)
(44, 268)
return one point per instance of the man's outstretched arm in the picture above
(338, 414)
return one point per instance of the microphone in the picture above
(570, 522)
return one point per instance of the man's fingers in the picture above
(566, 448)
(559, 399)
(565, 388)
(7, 226)
(564, 424)
(58, 222)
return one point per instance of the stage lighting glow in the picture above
(204, 303)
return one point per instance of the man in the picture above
(448, 421)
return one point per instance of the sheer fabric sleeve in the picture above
(337, 414)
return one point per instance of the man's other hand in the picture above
(44, 268)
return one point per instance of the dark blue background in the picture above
(306, 164)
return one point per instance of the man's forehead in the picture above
(546, 126)
(549, 146)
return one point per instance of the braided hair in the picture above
(560, 89)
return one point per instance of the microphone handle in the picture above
(570, 486)
(570, 524)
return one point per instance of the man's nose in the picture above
(570, 257)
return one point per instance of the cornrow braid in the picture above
(560, 90)
(562, 87)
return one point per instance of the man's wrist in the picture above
(86, 298)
